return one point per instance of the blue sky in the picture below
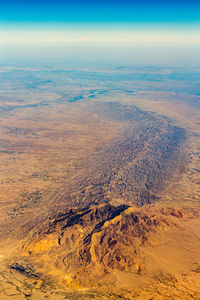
(142, 11)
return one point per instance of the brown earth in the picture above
(100, 200)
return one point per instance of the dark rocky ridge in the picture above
(133, 169)
(130, 170)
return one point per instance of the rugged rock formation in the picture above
(78, 248)
(134, 168)
(108, 252)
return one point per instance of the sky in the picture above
(100, 11)
(81, 28)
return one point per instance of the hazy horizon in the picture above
(134, 32)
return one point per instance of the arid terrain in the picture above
(100, 183)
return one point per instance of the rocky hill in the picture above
(108, 252)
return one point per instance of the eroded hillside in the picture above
(109, 252)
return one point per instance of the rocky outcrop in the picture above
(84, 245)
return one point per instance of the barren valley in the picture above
(100, 183)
